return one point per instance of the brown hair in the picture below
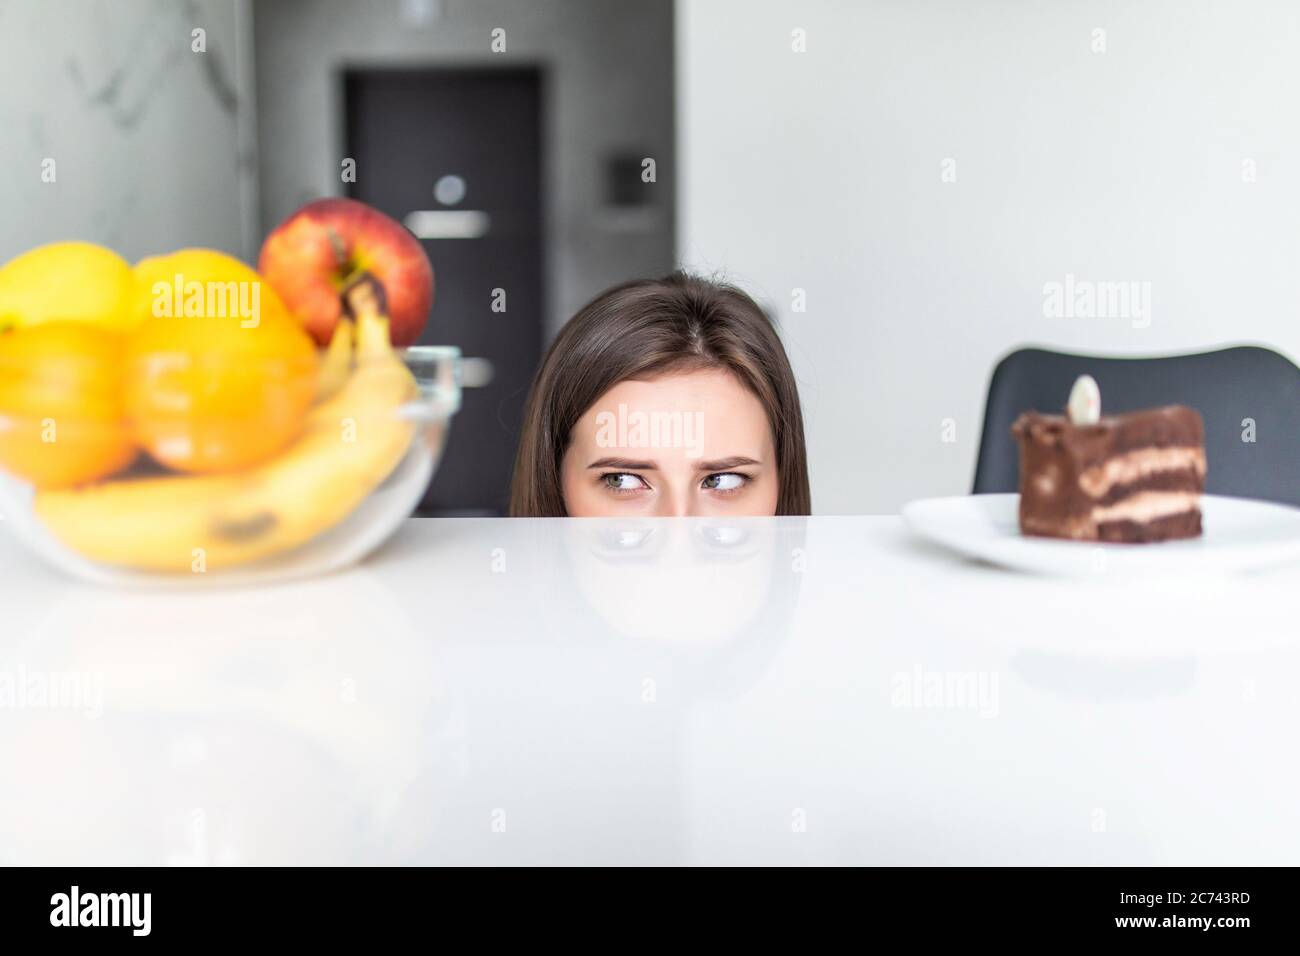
(644, 328)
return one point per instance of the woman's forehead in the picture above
(694, 390)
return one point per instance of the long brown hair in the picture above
(645, 328)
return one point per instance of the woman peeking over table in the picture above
(663, 397)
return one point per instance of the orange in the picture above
(61, 415)
(219, 375)
(73, 281)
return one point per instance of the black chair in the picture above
(1227, 387)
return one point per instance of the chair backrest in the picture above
(1242, 393)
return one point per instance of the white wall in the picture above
(822, 171)
(151, 140)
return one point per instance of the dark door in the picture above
(456, 155)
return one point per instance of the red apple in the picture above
(318, 254)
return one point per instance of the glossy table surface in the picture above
(824, 690)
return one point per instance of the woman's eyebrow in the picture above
(629, 463)
(722, 464)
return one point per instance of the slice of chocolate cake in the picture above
(1135, 477)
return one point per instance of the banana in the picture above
(337, 364)
(352, 442)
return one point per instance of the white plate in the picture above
(1239, 535)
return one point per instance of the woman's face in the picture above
(690, 443)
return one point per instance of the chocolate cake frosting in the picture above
(1135, 477)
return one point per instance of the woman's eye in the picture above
(725, 481)
(622, 481)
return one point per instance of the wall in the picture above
(147, 136)
(609, 76)
(824, 171)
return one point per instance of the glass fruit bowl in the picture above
(355, 470)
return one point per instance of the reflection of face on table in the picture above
(696, 582)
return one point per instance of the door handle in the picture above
(448, 223)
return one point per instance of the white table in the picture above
(547, 691)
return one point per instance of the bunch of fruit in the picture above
(181, 409)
